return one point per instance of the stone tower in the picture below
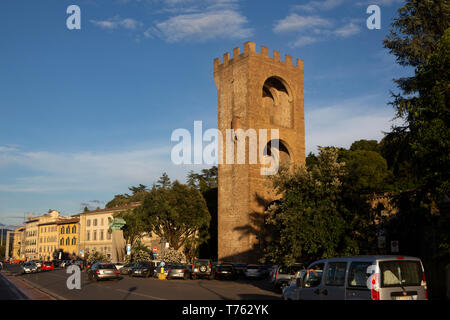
(255, 92)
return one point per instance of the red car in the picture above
(47, 266)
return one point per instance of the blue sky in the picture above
(87, 113)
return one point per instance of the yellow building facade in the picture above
(68, 236)
(48, 240)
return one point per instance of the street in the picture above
(128, 288)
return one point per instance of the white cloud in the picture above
(312, 29)
(319, 5)
(84, 171)
(345, 122)
(116, 23)
(295, 22)
(226, 24)
(348, 30)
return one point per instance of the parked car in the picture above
(203, 268)
(81, 264)
(226, 272)
(289, 291)
(102, 271)
(126, 269)
(282, 275)
(253, 271)
(89, 264)
(29, 267)
(57, 263)
(47, 266)
(240, 269)
(362, 278)
(265, 270)
(38, 263)
(142, 269)
(178, 271)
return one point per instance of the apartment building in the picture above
(31, 239)
(18, 244)
(48, 240)
(95, 235)
(68, 235)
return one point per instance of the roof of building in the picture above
(68, 221)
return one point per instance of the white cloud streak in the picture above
(343, 123)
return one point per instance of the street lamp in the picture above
(163, 245)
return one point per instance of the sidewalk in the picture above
(26, 290)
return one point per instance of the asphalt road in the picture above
(128, 288)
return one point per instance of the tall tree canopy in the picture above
(177, 212)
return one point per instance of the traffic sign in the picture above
(155, 249)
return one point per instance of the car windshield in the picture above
(201, 263)
(178, 267)
(142, 264)
(400, 273)
(226, 268)
(252, 267)
(106, 266)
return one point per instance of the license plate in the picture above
(406, 298)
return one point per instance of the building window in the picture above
(95, 235)
(61, 242)
(62, 230)
(88, 222)
(74, 241)
(67, 241)
(102, 221)
(74, 229)
(95, 222)
(68, 230)
(101, 235)
(88, 235)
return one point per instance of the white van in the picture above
(361, 278)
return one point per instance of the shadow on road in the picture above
(130, 291)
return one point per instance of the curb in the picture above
(18, 292)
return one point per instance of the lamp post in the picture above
(163, 245)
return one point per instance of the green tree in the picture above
(204, 181)
(414, 36)
(164, 181)
(365, 145)
(309, 221)
(177, 212)
(134, 228)
(367, 171)
(96, 256)
(428, 121)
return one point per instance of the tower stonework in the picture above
(255, 91)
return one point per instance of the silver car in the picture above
(178, 271)
(29, 267)
(103, 271)
(361, 278)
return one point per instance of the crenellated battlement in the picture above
(250, 49)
